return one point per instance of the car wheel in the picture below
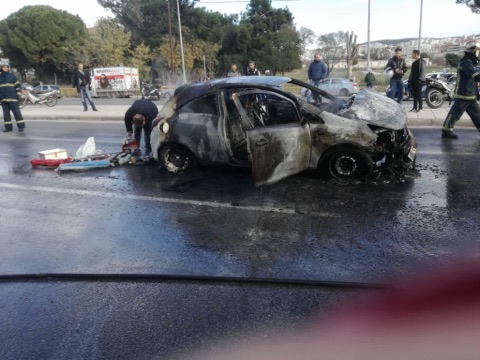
(344, 92)
(349, 163)
(434, 98)
(177, 158)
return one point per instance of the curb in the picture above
(73, 118)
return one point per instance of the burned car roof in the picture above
(188, 92)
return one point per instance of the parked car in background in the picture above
(338, 86)
(43, 89)
(250, 121)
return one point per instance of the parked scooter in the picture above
(25, 97)
(150, 92)
(437, 92)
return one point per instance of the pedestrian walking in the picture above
(370, 79)
(82, 82)
(9, 87)
(140, 115)
(317, 71)
(416, 79)
(399, 67)
(465, 93)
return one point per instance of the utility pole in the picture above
(170, 42)
(368, 37)
(420, 27)
(181, 42)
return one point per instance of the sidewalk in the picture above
(115, 112)
(75, 112)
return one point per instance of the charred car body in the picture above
(263, 122)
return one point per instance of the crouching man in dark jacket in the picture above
(140, 116)
(9, 86)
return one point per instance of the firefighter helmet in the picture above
(472, 46)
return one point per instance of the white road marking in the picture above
(212, 204)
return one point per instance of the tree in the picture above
(153, 21)
(332, 47)
(452, 60)
(39, 37)
(307, 36)
(474, 5)
(109, 44)
(352, 52)
(268, 36)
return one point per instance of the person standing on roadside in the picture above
(252, 70)
(9, 86)
(398, 65)
(233, 72)
(416, 79)
(370, 79)
(140, 115)
(465, 93)
(82, 82)
(317, 71)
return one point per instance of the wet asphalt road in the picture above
(213, 222)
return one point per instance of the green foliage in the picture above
(452, 60)
(40, 37)
(264, 35)
(145, 33)
(109, 44)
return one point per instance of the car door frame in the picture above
(275, 151)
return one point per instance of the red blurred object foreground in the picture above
(50, 162)
(435, 316)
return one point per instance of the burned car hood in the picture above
(376, 109)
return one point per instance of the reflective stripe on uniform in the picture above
(463, 97)
(8, 123)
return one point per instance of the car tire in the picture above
(344, 92)
(176, 158)
(347, 163)
(434, 98)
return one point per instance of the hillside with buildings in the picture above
(434, 49)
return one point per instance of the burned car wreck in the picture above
(264, 123)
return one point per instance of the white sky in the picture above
(389, 19)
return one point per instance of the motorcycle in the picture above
(25, 97)
(150, 92)
(437, 92)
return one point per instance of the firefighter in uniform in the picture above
(9, 86)
(466, 93)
